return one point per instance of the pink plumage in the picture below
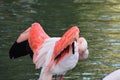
(55, 55)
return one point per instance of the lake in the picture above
(98, 21)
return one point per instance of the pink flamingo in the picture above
(115, 75)
(55, 55)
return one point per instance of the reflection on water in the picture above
(98, 21)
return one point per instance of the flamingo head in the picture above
(83, 48)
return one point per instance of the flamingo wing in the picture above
(21, 46)
(67, 39)
(20, 49)
(36, 38)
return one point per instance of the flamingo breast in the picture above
(45, 53)
(67, 63)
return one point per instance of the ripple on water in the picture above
(87, 73)
(115, 65)
(37, 74)
(96, 63)
(113, 41)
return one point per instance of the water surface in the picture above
(97, 20)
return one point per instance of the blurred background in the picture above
(98, 21)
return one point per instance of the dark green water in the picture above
(98, 20)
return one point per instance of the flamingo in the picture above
(115, 75)
(55, 55)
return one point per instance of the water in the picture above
(97, 20)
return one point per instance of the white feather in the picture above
(113, 76)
